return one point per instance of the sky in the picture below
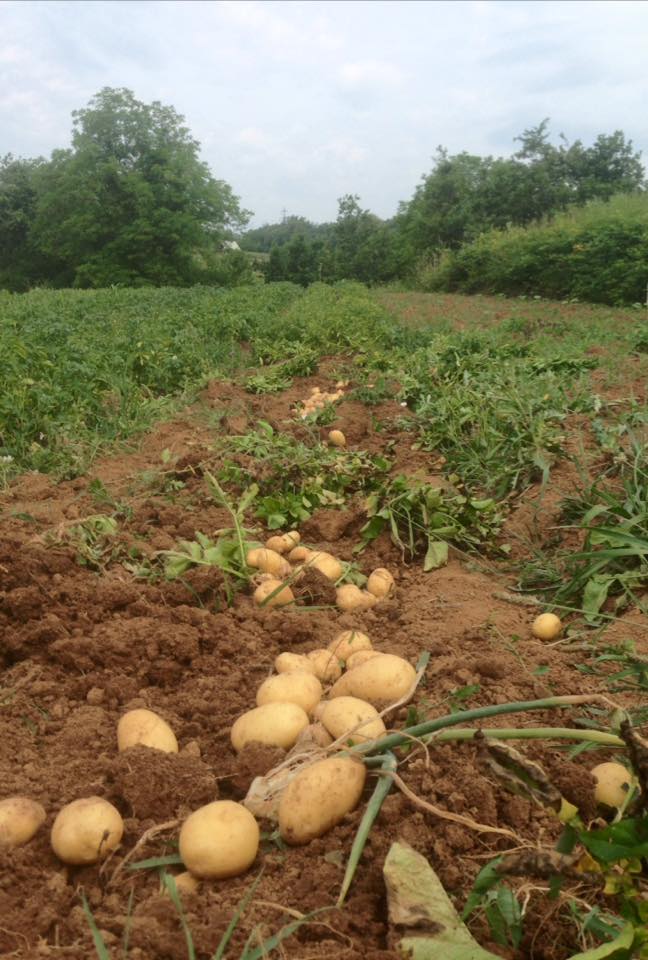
(297, 102)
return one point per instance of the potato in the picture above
(304, 689)
(269, 561)
(383, 679)
(320, 797)
(86, 830)
(186, 883)
(292, 538)
(325, 663)
(336, 438)
(297, 554)
(20, 818)
(613, 783)
(219, 840)
(276, 724)
(293, 663)
(360, 656)
(263, 595)
(327, 564)
(350, 597)
(277, 544)
(349, 642)
(345, 713)
(546, 627)
(145, 728)
(315, 733)
(380, 583)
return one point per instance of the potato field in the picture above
(318, 608)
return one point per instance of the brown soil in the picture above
(79, 646)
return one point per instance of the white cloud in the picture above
(371, 74)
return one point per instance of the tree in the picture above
(131, 202)
(20, 260)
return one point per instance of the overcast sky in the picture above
(296, 103)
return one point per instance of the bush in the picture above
(597, 253)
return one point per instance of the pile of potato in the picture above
(318, 399)
(282, 561)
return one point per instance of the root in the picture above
(147, 835)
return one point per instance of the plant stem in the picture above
(532, 733)
(421, 730)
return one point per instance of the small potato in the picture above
(263, 595)
(326, 664)
(304, 689)
(252, 556)
(613, 783)
(546, 627)
(349, 642)
(293, 663)
(20, 818)
(145, 728)
(336, 438)
(350, 597)
(277, 544)
(327, 564)
(360, 656)
(270, 562)
(383, 679)
(343, 714)
(380, 583)
(86, 830)
(292, 538)
(276, 724)
(219, 840)
(186, 883)
(320, 797)
(298, 554)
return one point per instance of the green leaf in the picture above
(618, 949)
(436, 555)
(595, 594)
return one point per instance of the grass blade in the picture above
(383, 786)
(100, 946)
(172, 890)
(171, 860)
(272, 942)
(238, 913)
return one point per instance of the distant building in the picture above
(230, 245)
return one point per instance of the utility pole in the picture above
(283, 215)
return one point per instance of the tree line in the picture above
(131, 203)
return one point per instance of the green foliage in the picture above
(597, 253)
(274, 235)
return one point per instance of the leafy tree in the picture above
(130, 202)
(20, 260)
(262, 239)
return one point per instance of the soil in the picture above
(82, 642)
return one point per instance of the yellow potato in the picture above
(86, 830)
(186, 883)
(343, 714)
(327, 564)
(320, 797)
(145, 728)
(380, 583)
(20, 818)
(277, 545)
(277, 724)
(336, 438)
(613, 783)
(292, 538)
(381, 680)
(293, 663)
(263, 595)
(325, 663)
(297, 554)
(301, 688)
(360, 656)
(269, 561)
(350, 597)
(546, 627)
(349, 642)
(219, 840)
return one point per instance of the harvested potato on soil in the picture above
(343, 714)
(275, 724)
(277, 545)
(613, 784)
(360, 656)
(327, 564)
(293, 663)
(319, 797)
(380, 583)
(146, 729)
(219, 840)
(20, 818)
(546, 627)
(325, 664)
(350, 597)
(186, 883)
(86, 830)
(265, 595)
(301, 688)
(269, 561)
(299, 554)
(336, 438)
(381, 680)
(345, 644)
